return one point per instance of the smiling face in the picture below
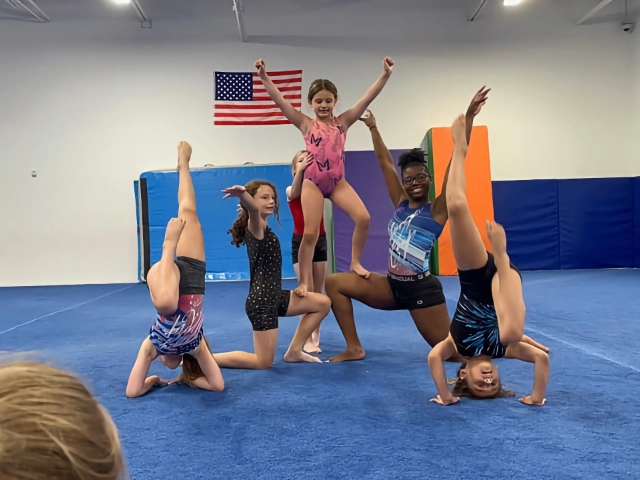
(416, 182)
(266, 200)
(481, 377)
(322, 98)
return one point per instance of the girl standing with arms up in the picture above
(489, 320)
(267, 301)
(300, 163)
(325, 137)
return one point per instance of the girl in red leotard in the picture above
(325, 137)
(300, 163)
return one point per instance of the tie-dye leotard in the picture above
(326, 144)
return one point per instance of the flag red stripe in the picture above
(282, 73)
(266, 122)
(248, 115)
(280, 81)
(250, 106)
(282, 89)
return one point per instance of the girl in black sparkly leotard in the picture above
(267, 301)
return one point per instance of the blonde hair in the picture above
(51, 427)
(294, 161)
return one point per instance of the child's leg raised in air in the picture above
(506, 288)
(164, 277)
(347, 200)
(312, 207)
(191, 241)
(315, 307)
(468, 248)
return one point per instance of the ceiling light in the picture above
(124, 2)
(511, 3)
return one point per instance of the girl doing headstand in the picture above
(489, 319)
(176, 285)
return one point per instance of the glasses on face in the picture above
(420, 178)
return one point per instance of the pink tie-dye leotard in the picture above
(326, 144)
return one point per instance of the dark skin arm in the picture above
(395, 189)
(439, 205)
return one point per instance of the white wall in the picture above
(90, 106)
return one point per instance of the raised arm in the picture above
(294, 191)
(296, 117)
(248, 203)
(350, 117)
(441, 352)
(528, 353)
(385, 160)
(439, 206)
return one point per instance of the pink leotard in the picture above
(326, 144)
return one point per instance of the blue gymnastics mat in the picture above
(157, 202)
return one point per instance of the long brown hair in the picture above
(52, 427)
(239, 228)
(461, 388)
(322, 84)
(191, 368)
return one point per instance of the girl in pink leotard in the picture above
(325, 137)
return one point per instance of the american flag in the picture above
(241, 99)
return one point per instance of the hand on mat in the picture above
(446, 401)
(235, 191)
(529, 401)
(304, 161)
(459, 130)
(369, 120)
(161, 382)
(387, 64)
(260, 66)
(497, 237)
(478, 101)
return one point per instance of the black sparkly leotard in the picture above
(266, 301)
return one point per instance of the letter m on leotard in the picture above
(325, 165)
(315, 140)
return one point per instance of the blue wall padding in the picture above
(528, 210)
(224, 260)
(636, 221)
(596, 223)
(136, 195)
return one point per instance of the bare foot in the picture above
(360, 270)
(311, 347)
(293, 357)
(184, 154)
(348, 356)
(174, 230)
(497, 238)
(301, 290)
(533, 343)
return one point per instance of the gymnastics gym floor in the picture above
(370, 419)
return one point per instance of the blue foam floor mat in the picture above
(369, 419)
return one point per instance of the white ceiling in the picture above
(296, 17)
